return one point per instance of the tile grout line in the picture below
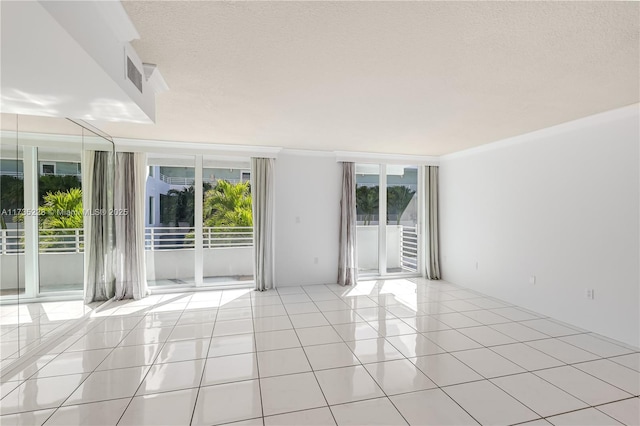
(324, 396)
(55, 409)
(204, 367)
(151, 365)
(255, 346)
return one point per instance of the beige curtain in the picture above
(97, 179)
(347, 260)
(128, 212)
(262, 194)
(433, 237)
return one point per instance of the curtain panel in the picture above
(128, 211)
(347, 257)
(97, 178)
(433, 237)
(262, 191)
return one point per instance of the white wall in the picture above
(307, 218)
(561, 204)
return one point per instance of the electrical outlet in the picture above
(477, 265)
(532, 279)
(590, 293)
(315, 260)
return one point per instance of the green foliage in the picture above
(228, 204)
(12, 190)
(62, 209)
(48, 184)
(11, 193)
(179, 205)
(398, 198)
(225, 205)
(367, 202)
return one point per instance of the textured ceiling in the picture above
(423, 78)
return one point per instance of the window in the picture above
(199, 238)
(151, 210)
(47, 168)
(227, 220)
(170, 241)
(387, 208)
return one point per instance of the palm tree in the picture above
(59, 215)
(398, 198)
(62, 209)
(228, 205)
(56, 183)
(179, 206)
(367, 202)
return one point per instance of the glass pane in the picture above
(402, 219)
(227, 223)
(169, 215)
(60, 219)
(11, 227)
(367, 211)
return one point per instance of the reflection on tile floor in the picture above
(404, 351)
(25, 326)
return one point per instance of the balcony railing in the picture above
(157, 238)
(172, 238)
(20, 175)
(175, 238)
(409, 248)
(70, 240)
(187, 181)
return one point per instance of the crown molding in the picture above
(402, 159)
(157, 146)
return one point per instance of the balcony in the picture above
(170, 251)
(402, 249)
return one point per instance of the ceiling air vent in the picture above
(134, 75)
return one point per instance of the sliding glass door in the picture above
(199, 224)
(170, 220)
(402, 219)
(61, 219)
(388, 208)
(227, 222)
(368, 218)
(43, 217)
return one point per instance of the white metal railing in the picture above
(70, 240)
(157, 238)
(186, 181)
(409, 248)
(78, 175)
(214, 237)
(173, 180)
(11, 241)
(20, 175)
(172, 238)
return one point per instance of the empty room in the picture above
(319, 213)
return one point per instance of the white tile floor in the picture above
(25, 326)
(394, 352)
